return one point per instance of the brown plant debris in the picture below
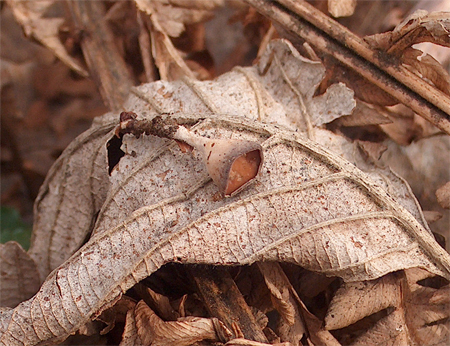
(323, 142)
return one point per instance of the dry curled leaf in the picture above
(32, 16)
(144, 327)
(174, 15)
(414, 314)
(420, 26)
(168, 19)
(309, 206)
(428, 68)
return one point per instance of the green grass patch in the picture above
(12, 227)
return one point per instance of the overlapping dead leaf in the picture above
(308, 206)
(341, 250)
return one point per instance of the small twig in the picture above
(145, 48)
(330, 37)
(224, 300)
(106, 66)
(164, 128)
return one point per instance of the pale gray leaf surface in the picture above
(71, 194)
(309, 206)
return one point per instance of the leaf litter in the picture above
(337, 214)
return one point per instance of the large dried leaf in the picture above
(309, 206)
(19, 278)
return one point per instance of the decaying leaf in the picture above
(428, 68)
(362, 299)
(175, 14)
(19, 278)
(309, 206)
(301, 79)
(32, 16)
(168, 19)
(420, 26)
(411, 316)
(144, 327)
(231, 164)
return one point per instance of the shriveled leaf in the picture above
(130, 336)
(32, 16)
(291, 328)
(155, 332)
(168, 59)
(115, 314)
(335, 103)
(387, 332)
(317, 334)
(157, 302)
(19, 278)
(428, 319)
(428, 68)
(168, 18)
(308, 206)
(279, 293)
(174, 15)
(420, 26)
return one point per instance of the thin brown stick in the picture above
(223, 300)
(331, 38)
(145, 48)
(106, 66)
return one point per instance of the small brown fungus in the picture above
(231, 163)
